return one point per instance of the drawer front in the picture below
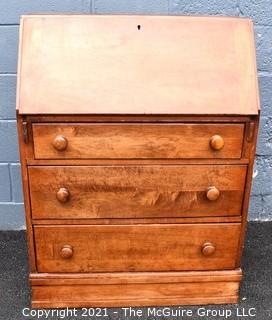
(136, 248)
(137, 141)
(136, 191)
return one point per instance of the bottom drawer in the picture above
(108, 248)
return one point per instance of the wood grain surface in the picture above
(121, 221)
(137, 147)
(135, 141)
(134, 295)
(94, 64)
(44, 279)
(134, 288)
(136, 248)
(135, 191)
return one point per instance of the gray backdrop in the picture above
(11, 206)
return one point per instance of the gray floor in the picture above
(255, 292)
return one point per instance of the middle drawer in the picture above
(71, 192)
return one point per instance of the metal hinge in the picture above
(25, 132)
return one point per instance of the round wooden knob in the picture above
(66, 251)
(208, 249)
(63, 195)
(60, 143)
(212, 193)
(216, 142)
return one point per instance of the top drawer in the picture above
(137, 141)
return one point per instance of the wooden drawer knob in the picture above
(60, 143)
(212, 193)
(217, 142)
(66, 251)
(208, 249)
(63, 195)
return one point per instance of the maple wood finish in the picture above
(212, 193)
(137, 141)
(130, 289)
(63, 195)
(66, 251)
(180, 73)
(208, 249)
(60, 143)
(217, 142)
(132, 248)
(136, 164)
(136, 191)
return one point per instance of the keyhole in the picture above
(139, 27)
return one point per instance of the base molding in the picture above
(134, 289)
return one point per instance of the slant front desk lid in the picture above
(96, 64)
